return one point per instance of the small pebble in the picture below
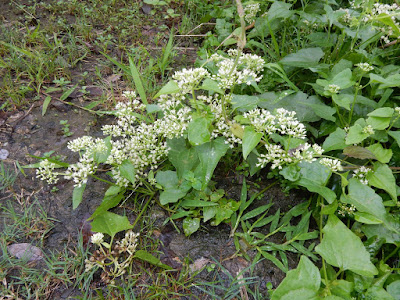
(4, 153)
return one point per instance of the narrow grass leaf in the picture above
(46, 103)
(138, 81)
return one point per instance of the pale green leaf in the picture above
(77, 195)
(381, 154)
(250, 140)
(341, 248)
(382, 178)
(335, 141)
(304, 58)
(110, 223)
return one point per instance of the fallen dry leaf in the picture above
(25, 251)
(199, 264)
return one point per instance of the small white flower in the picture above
(333, 164)
(365, 67)
(97, 238)
(368, 130)
(332, 88)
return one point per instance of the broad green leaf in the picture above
(128, 171)
(396, 136)
(77, 195)
(342, 288)
(250, 140)
(365, 199)
(198, 132)
(390, 81)
(209, 155)
(390, 231)
(394, 289)
(290, 172)
(313, 187)
(184, 159)
(329, 209)
(343, 100)
(381, 154)
(279, 9)
(225, 210)
(170, 88)
(108, 202)
(304, 58)
(383, 112)
(366, 218)
(46, 103)
(211, 85)
(379, 123)
(147, 257)
(246, 102)
(191, 225)
(209, 212)
(168, 179)
(298, 102)
(341, 248)
(356, 135)
(110, 223)
(377, 292)
(301, 283)
(335, 141)
(358, 152)
(172, 195)
(383, 178)
(315, 172)
(324, 111)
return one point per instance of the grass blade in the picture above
(138, 81)
(46, 103)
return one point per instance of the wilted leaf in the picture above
(358, 152)
(25, 251)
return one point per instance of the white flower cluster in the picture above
(129, 242)
(345, 210)
(365, 67)
(221, 127)
(283, 122)
(280, 157)
(346, 17)
(45, 171)
(392, 10)
(332, 88)
(97, 238)
(333, 164)
(361, 174)
(251, 11)
(230, 72)
(187, 79)
(368, 130)
(81, 171)
(397, 110)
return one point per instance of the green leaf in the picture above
(381, 154)
(390, 231)
(109, 201)
(343, 100)
(380, 118)
(325, 192)
(377, 292)
(198, 132)
(138, 81)
(128, 171)
(324, 111)
(304, 58)
(390, 81)
(356, 135)
(197, 203)
(46, 103)
(396, 136)
(387, 20)
(66, 94)
(341, 248)
(342, 288)
(358, 152)
(394, 289)
(290, 172)
(191, 225)
(257, 211)
(366, 218)
(335, 141)
(209, 155)
(209, 212)
(110, 223)
(365, 199)
(315, 172)
(211, 85)
(279, 10)
(172, 195)
(301, 283)
(77, 195)
(168, 179)
(147, 257)
(383, 178)
(245, 102)
(170, 88)
(250, 140)
(183, 158)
